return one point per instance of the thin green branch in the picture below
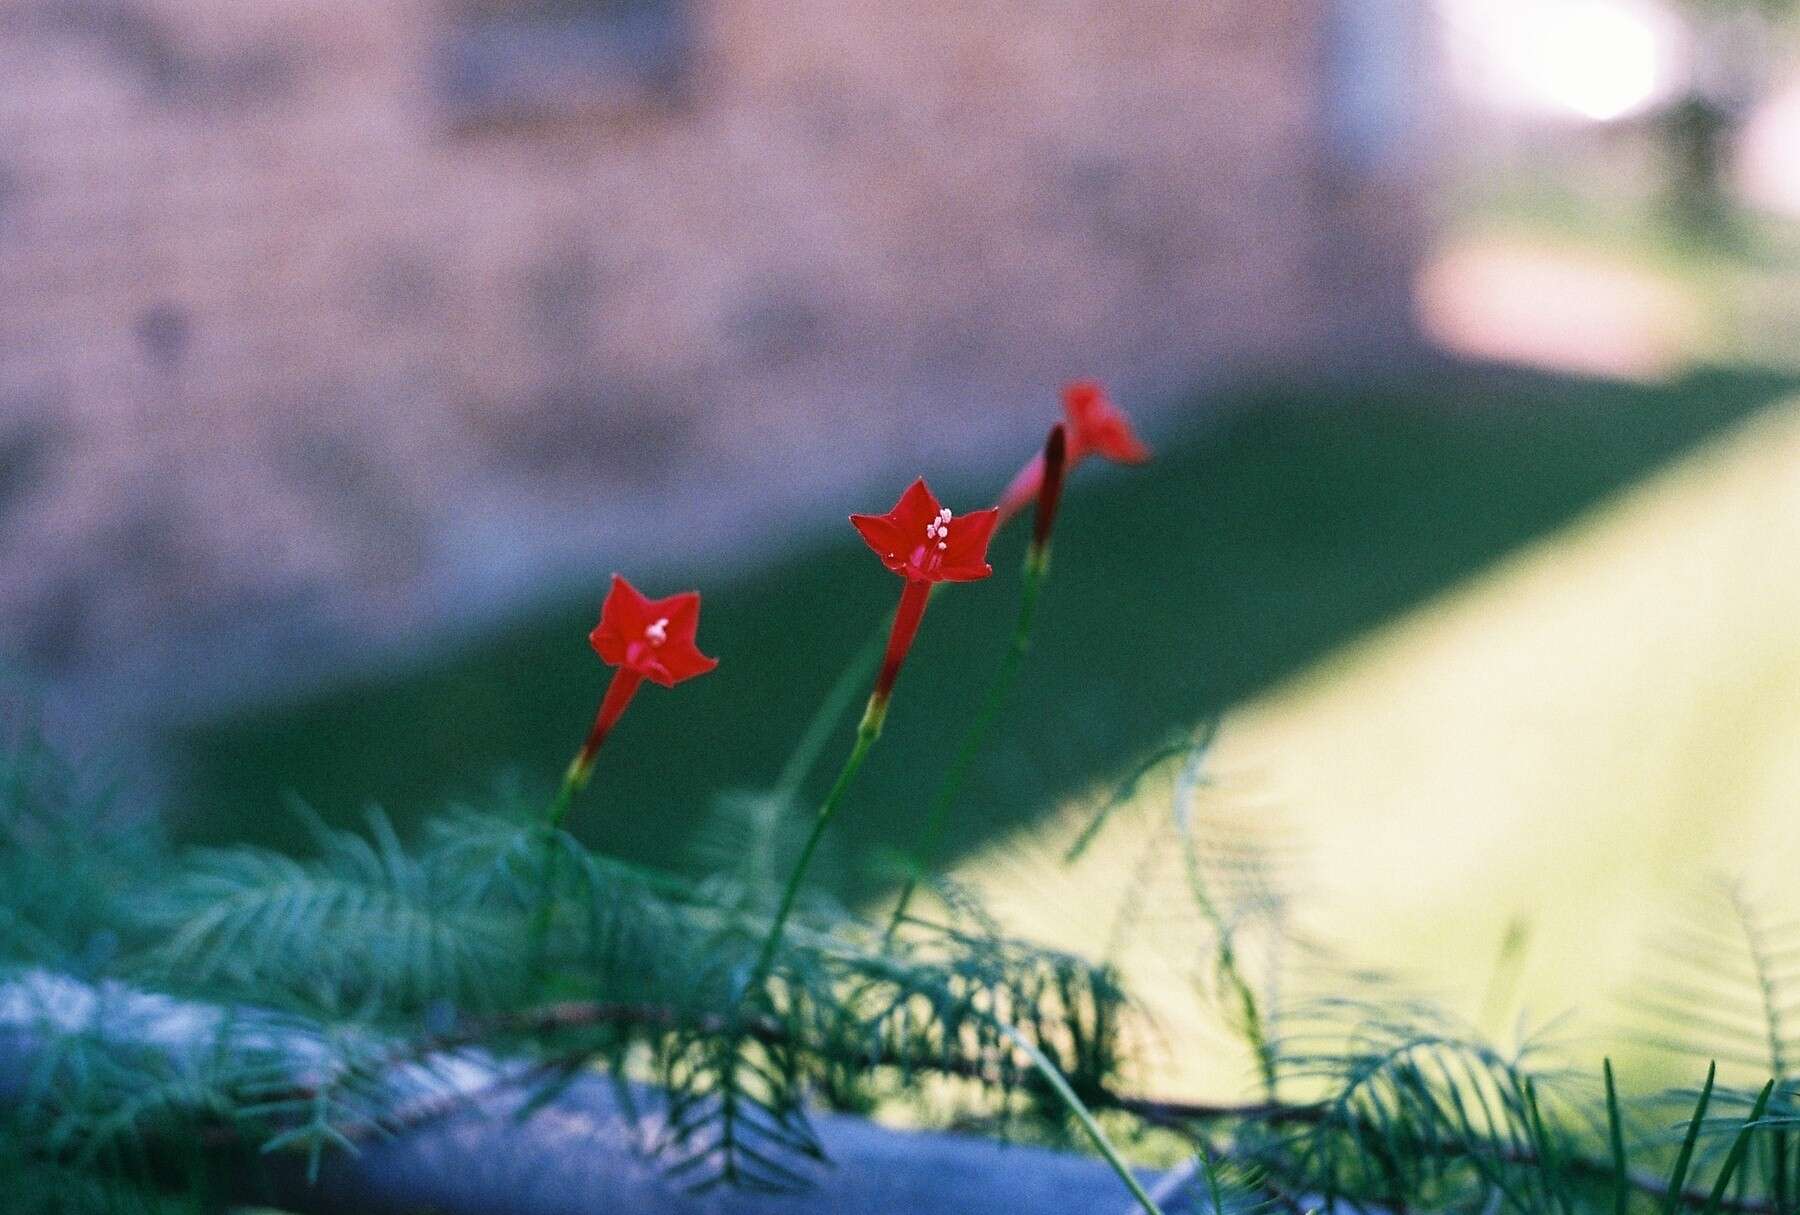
(1615, 1140)
(973, 740)
(866, 734)
(1082, 1114)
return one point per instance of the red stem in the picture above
(624, 686)
(1023, 489)
(906, 626)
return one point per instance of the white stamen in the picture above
(658, 632)
(939, 529)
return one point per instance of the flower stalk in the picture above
(1053, 465)
(924, 543)
(866, 733)
(641, 639)
(624, 685)
(914, 598)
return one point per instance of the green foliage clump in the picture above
(187, 1014)
(186, 1008)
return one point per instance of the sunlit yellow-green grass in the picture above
(1571, 741)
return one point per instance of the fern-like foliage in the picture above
(302, 1004)
(1208, 882)
(1724, 986)
(181, 1009)
(1387, 1102)
(68, 858)
(1410, 1106)
(1724, 983)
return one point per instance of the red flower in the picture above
(926, 544)
(1096, 426)
(645, 639)
(923, 542)
(652, 637)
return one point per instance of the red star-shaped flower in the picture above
(652, 637)
(644, 639)
(924, 543)
(1095, 427)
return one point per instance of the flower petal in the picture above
(917, 506)
(1084, 401)
(965, 557)
(1097, 425)
(684, 662)
(1117, 441)
(897, 535)
(622, 621)
(678, 658)
(880, 533)
(681, 611)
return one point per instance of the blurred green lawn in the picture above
(1277, 529)
(1571, 749)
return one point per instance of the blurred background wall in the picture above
(326, 325)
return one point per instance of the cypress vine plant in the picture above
(173, 1021)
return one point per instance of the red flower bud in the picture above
(1050, 495)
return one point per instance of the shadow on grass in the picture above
(1294, 521)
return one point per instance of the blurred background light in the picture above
(1769, 154)
(1594, 60)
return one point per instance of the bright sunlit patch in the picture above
(1598, 60)
(1591, 727)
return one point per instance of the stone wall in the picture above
(327, 323)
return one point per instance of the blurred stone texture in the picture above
(326, 324)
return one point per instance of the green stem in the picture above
(1074, 1104)
(539, 938)
(866, 734)
(572, 782)
(973, 739)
